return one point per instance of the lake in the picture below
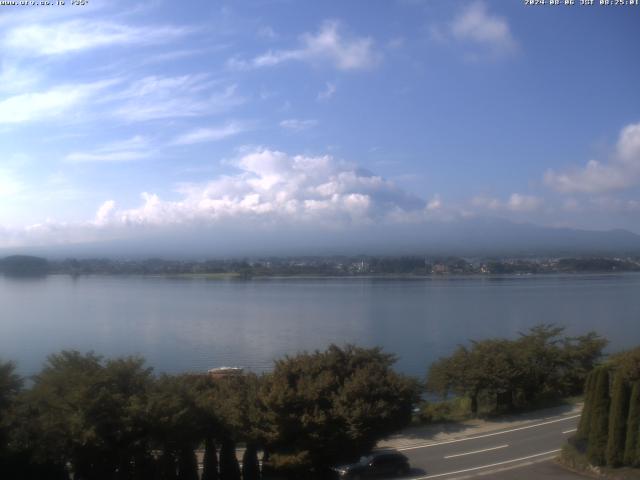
(191, 324)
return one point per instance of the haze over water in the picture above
(194, 324)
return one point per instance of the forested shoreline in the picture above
(115, 419)
(363, 265)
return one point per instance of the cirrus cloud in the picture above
(329, 45)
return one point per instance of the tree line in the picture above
(114, 419)
(108, 419)
(609, 429)
(502, 374)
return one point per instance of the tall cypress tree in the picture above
(267, 469)
(632, 444)
(618, 417)
(250, 465)
(585, 418)
(599, 423)
(167, 466)
(229, 467)
(210, 461)
(187, 465)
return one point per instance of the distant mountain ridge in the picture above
(476, 236)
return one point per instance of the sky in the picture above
(123, 119)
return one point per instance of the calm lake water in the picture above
(195, 324)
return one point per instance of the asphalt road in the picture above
(500, 451)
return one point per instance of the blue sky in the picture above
(118, 117)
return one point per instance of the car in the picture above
(381, 464)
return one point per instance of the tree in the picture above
(599, 428)
(580, 355)
(89, 412)
(510, 372)
(10, 387)
(187, 464)
(632, 442)
(541, 360)
(210, 460)
(490, 367)
(618, 417)
(250, 465)
(229, 467)
(458, 374)
(332, 406)
(585, 419)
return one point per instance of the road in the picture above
(493, 452)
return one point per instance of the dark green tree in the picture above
(599, 429)
(229, 467)
(585, 418)
(618, 418)
(210, 460)
(541, 360)
(250, 465)
(579, 357)
(187, 464)
(632, 442)
(331, 406)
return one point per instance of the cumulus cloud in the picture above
(487, 34)
(516, 202)
(78, 35)
(328, 45)
(620, 172)
(270, 188)
(275, 186)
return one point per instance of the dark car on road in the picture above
(383, 464)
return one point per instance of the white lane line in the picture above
(477, 451)
(570, 431)
(487, 466)
(427, 445)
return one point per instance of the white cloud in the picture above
(327, 45)
(35, 106)
(270, 188)
(523, 203)
(135, 148)
(487, 34)
(104, 213)
(274, 186)
(9, 184)
(78, 35)
(154, 98)
(15, 79)
(620, 172)
(213, 134)
(516, 202)
(435, 203)
(328, 92)
(298, 125)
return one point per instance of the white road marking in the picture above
(476, 451)
(427, 445)
(487, 466)
(570, 431)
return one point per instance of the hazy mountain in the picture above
(487, 236)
